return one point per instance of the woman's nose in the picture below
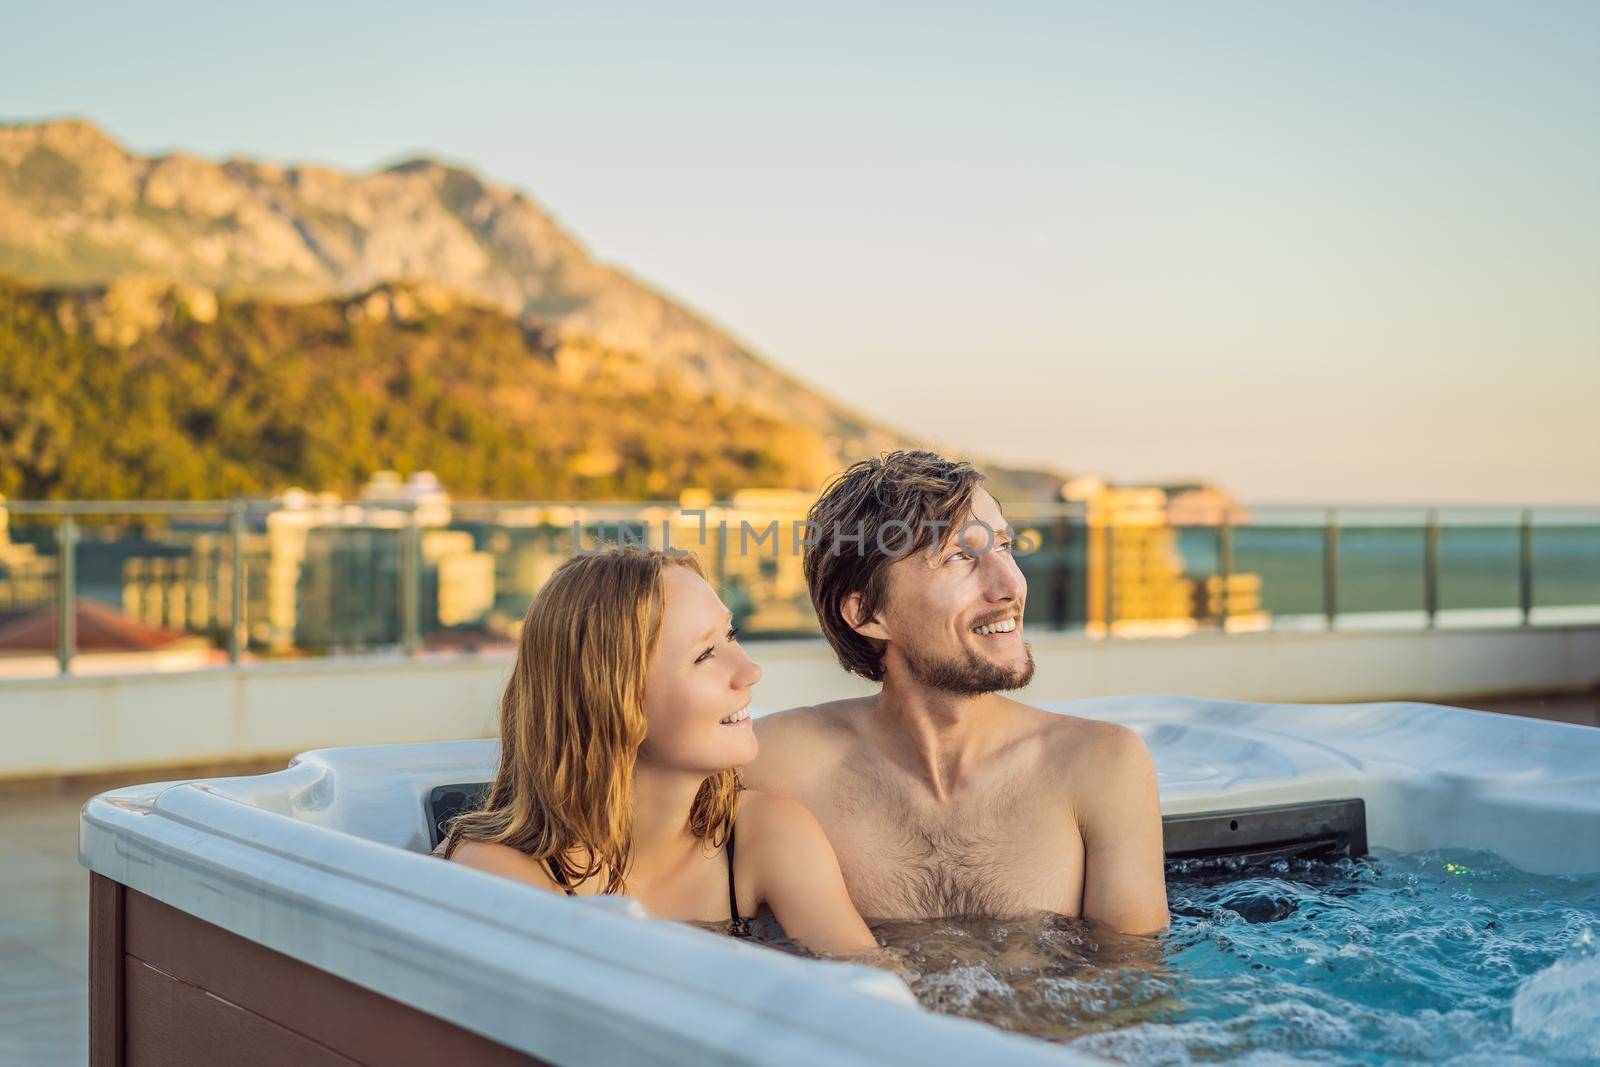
(749, 673)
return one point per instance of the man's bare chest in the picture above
(994, 852)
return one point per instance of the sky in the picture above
(1332, 253)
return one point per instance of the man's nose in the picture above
(1005, 578)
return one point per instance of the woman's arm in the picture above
(797, 875)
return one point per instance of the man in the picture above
(940, 796)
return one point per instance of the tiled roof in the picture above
(101, 628)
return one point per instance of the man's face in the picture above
(941, 607)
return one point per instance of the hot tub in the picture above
(296, 915)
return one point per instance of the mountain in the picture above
(77, 209)
(150, 390)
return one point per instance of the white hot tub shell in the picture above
(323, 866)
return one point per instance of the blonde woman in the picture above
(621, 733)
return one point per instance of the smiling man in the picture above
(941, 796)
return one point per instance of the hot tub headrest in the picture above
(445, 802)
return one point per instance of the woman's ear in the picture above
(850, 611)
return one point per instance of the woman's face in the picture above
(697, 691)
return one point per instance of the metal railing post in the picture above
(1330, 567)
(1430, 569)
(1225, 566)
(722, 552)
(1525, 577)
(1109, 557)
(238, 635)
(411, 586)
(1060, 570)
(66, 593)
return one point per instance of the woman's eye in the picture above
(733, 635)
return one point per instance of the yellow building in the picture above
(464, 577)
(1135, 571)
(27, 579)
(187, 593)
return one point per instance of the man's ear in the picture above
(850, 610)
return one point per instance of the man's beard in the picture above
(969, 674)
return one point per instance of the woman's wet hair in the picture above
(572, 719)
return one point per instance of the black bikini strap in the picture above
(561, 879)
(738, 926)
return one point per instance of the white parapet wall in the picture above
(90, 725)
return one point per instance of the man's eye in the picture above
(958, 555)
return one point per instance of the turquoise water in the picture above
(1439, 957)
(1431, 957)
(1381, 568)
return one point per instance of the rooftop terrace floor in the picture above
(44, 901)
(44, 937)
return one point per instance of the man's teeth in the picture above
(1004, 626)
(739, 716)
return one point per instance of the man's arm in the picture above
(1119, 816)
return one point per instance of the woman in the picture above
(621, 731)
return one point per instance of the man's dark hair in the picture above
(875, 512)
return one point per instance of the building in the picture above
(27, 579)
(751, 551)
(323, 574)
(1135, 574)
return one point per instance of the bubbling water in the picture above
(1420, 957)
(1559, 1007)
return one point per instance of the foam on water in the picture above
(1559, 1007)
(1424, 957)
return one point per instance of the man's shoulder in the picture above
(1105, 765)
(801, 745)
(833, 719)
(1096, 748)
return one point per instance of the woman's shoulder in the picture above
(797, 875)
(767, 820)
(505, 861)
(762, 808)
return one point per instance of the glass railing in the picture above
(136, 586)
